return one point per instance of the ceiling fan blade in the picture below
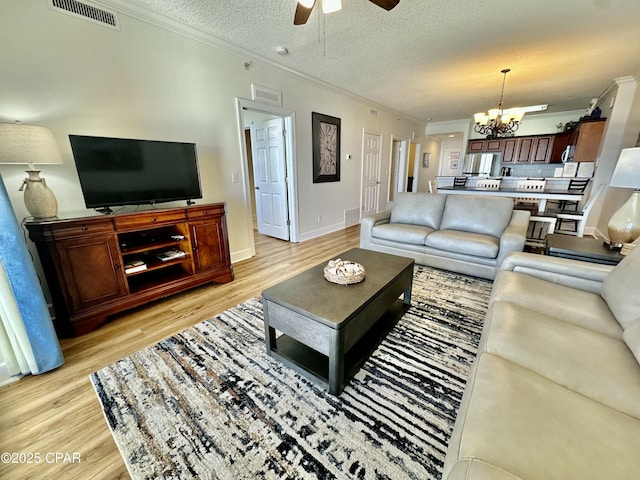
(386, 4)
(302, 13)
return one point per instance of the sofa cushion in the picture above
(464, 242)
(470, 468)
(632, 338)
(418, 209)
(587, 362)
(534, 428)
(620, 289)
(473, 213)
(403, 233)
(584, 309)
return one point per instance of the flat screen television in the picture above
(122, 171)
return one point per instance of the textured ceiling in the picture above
(437, 59)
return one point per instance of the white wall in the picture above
(147, 82)
(621, 106)
(431, 146)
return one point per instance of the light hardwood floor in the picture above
(59, 411)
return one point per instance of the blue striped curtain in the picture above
(30, 332)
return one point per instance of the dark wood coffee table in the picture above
(329, 330)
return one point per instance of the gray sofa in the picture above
(463, 233)
(555, 390)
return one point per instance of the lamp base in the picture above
(38, 198)
(624, 226)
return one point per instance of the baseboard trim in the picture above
(240, 255)
(322, 231)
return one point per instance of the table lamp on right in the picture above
(624, 225)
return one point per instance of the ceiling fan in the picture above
(304, 8)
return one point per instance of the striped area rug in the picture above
(208, 403)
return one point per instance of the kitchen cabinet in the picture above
(482, 146)
(536, 149)
(99, 266)
(586, 139)
(560, 144)
(541, 149)
(509, 150)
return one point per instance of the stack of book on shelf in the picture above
(170, 255)
(134, 266)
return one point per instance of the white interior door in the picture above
(270, 176)
(372, 153)
(450, 162)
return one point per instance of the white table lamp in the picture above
(624, 226)
(31, 144)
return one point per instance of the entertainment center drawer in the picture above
(140, 221)
(75, 229)
(196, 213)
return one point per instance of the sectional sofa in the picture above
(555, 390)
(463, 233)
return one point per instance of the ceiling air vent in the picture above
(87, 12)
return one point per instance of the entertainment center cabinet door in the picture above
(209, 240)
(92, 271)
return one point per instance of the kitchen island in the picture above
(556, 189)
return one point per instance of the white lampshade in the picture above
(481, 118)
(31, 144)
(494, 113)
(514, 114)
(330, 6)
(307, 3)
(28, 144)
(624, 225)
(627, 172)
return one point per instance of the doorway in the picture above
(286, 202)
(267, 155)
(450, 158)
(398, 167)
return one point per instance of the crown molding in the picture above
(160, 20)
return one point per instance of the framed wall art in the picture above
(426, 160)
(326, 148)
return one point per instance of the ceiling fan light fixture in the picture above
(330, 6)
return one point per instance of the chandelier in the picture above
(499, 122)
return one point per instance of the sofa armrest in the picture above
(572, 273)
(515, 235)
(367, 223)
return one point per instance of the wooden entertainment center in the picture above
(97, 266)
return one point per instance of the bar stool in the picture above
(488, 183)
(576, 185)
(530, 204)
(460, 181)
